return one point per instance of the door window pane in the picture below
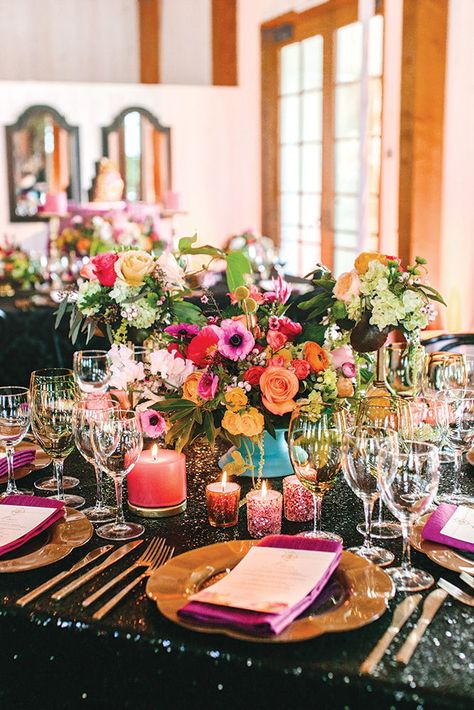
(310, 210)
(290, 69)
(348, 52)
(346, 214)
(344, 261)
(312, 109)
(347, 111)
(290, 209)
(289, 168)
(345, 240)
(313, 63)
(311, 168)
(347, 166)
(376, 45)
(289, 119)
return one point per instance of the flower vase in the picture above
(276, 462)
(403, 367)
(202, 459)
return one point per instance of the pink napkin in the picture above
(33, 502)
(20, 458)
(263, 623)
(436, 522)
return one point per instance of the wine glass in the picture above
(92, 370)
(49, 375)
(52, 402)
(360, 448)
(461, 437)
(430, 419)
(14, 425)
(443, 371)
(83, 413)
(316, 457)
(408, 479)
(117, 440)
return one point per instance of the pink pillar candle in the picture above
(157, 483)
(298, 502)
(222, 500)
(264, 512)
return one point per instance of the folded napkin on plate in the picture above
(20, 458)
(437, 521)
(258, 622)
(31, 502)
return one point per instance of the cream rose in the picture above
(133, 266)
(347, 285)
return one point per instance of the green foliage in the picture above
(238, 266)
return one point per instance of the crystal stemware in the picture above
(14, 425)
(316, 456)
(82, 415)
(408, 479)
(442, 371)
(402, 372)
(92, 370)
(461, 437)
(52, 402)
(60, 375)
(117, 440)
(360, 448)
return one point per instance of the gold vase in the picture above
(202, 459)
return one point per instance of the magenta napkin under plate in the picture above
(32, 501)
(20, 458)
(260, 622)
(437, 521)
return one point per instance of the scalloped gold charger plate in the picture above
(356, 595)
(40, 461)
(443, 555)
(50, 546)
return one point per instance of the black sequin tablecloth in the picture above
(53, 656)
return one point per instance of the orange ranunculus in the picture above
(316, 356)
(347, 285)
(363, 260)
(279, 386)
(190, 387)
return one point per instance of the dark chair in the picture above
(448, 342)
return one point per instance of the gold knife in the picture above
(402, 613)
(110, 560)
(430, 606)
(90, 557)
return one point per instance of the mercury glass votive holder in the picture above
(298, 501)
(223, 504)
(264, 508)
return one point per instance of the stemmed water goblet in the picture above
(14, 425)
(408, 479)
(84, 412)
(52, 402)
(316, 456)
(460, 433)
(360, 448)
(93, 371)
(117, 441)
(442, 371)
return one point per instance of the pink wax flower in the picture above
(275, 339)
(104, 268)
(235, 341)
(153, 423)
(207, 386)
(342, 355)
(349, 369)
(87, 271)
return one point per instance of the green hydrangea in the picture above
(146, 314)
(121, 292)
(85, 299)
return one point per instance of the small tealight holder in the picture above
(222, 500)
(264, 512)
(298, 502)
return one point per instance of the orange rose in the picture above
(190, 387)
(316, 356)
(252, 422)
(363, 260)
(279, 386)
(345, 388)
(347, 285)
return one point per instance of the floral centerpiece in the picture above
(17, 270)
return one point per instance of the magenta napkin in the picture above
(33, 502)
(437, 521)
(20, 458)
(262, 623)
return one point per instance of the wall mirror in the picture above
(141, 149)
(42, 157)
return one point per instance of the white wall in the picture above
(186, 42)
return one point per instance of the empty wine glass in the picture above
(461, 438)
(408, 479)
(442, 371)
(59, 375)
(52, 402)
(14, 424)
(92, 369)
(430, 418)
(316, 457)
(360, 449)
(82, 415)
(117, 440)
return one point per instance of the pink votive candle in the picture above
(222, 500)
(157, 483)
(264, 512)
(298, 502)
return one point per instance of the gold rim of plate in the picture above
(62, 537)
(470, 456)
(367, 590)
(443, 555)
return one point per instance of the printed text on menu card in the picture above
(461, 524)
(19, 520)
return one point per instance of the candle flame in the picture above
(264, 489)
(154, 452)
(224, 481)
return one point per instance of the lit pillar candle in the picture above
(298, 502)
(264, 512)
(222, 500)
(157, 483)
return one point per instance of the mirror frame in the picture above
(73, 132)
(118, 122)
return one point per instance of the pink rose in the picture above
(88, 272)
(349, 369)
(301, 368)
(276, 340)
(347, 286)
(342, 355)
(104, 268)
(289, 328)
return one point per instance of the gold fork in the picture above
(147, 559)
(164, 556)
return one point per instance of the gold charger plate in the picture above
(356, 595)
(40, 461)
(51, 545)
(470, 456)
(443, 555)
